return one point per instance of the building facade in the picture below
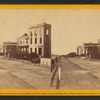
(37, 40)
(89, 50)
(9, 48)
(23, 43)
(40, 39)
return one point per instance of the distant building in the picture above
(90, 50)
(80, 50)
(40, 39)
(23, 43)
(9, 48)
(71, 54)
(37, 40)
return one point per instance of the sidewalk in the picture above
(21, 72)
(91, 65)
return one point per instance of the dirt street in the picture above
(79, 74)
(18, 75)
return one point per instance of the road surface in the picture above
(23, 75)
(79, 74)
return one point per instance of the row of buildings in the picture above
(37, 40)
(89, 50)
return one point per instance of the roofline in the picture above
(90, 43)
(39, 25)
(10, 43)
(23, 35)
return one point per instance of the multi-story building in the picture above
(40, 39)
(37, 40)
(23, 43)
(90, 50)
(9, 48)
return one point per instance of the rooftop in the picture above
(9, 42)
(25, 35)
(90, 43)
(39, 25)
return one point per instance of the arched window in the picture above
(35, 40)
(31, 33)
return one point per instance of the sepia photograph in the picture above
(54, 49)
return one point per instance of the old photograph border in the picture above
(34, 92)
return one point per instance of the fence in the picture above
(56, 73)
(45, 61)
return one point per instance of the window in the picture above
(21, 49)
(20, 42)
(24, 49)
(40, 32)
(27, 49)
(26, 41)
(40, 51)
(40, 40)
(47, 32)
(35, 50)
(35, 32)
(31, 40)
(35, 40)
(31, 33)
(31, 50)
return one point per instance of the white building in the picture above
(37, 40)
(23, 43)
(40, 39)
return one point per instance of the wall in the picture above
(47, 41)
(45, 61)
(23, 47)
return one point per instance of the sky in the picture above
(70, 27)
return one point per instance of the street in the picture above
(79, 74)
(75, 74)
(23, 75)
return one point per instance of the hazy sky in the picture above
(70, 27)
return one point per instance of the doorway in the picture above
(40, 51)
